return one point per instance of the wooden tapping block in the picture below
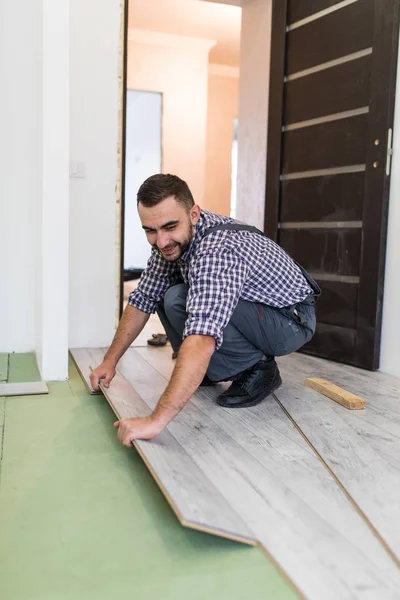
(336, 393)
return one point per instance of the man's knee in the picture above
(175, 298)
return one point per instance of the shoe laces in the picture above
(245, 379)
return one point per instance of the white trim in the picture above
(145, 36)
(322, 172)
(321, 225)
(321, 13)
(329, 64)
(223, 70)
(327, 118)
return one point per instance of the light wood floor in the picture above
(316, 485)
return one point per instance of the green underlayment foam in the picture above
(81, 517)
(3, 367)
(22, 367)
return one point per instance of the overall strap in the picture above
(234, 227)
(242, 227)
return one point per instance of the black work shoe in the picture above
(207, 382)
(252, 386)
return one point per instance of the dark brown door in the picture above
(333, 66)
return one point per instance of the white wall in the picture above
(390, 345)
(255, 51)
(95, 48)
(20, 172)
(178, 68)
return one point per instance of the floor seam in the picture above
(362, 514)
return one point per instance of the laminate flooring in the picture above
(23, 389)
(361, 447)
(251, 475)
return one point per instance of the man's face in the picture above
(169, 227)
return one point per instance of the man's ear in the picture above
(195, 214)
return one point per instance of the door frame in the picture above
(377, 181)
(121, 224)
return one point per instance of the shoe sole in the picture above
(254, 402)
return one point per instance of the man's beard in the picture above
(181, 246)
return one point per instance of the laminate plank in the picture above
(23, 389)
(381, 391)
(254, 479)
(160, 359)
(352, 446)
(196, 502)
(82, 360)
(3, 367)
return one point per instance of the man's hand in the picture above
(105, 371)
(144, 428)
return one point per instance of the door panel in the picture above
(334, 144)
(324, 251)
(327, 179)
(331, 37)
(334, 90)
(327, 198)
(342, 343)
(304, 8)
(338, 304)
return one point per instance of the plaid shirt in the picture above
(225, 267)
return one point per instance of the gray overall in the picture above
(255, 330)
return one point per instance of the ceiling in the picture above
(192, 18)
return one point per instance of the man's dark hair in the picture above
(158, 187)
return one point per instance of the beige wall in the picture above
(223, 94)
(181, 74)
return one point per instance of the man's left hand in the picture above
(137, 429)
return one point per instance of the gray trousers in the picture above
(254, 331)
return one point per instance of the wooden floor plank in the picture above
(362, 455)
(381, 391)
(23, 389)
(269, 480)
(184, 485)
(82, 360)
(3, 367)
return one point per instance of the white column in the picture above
(53, 289)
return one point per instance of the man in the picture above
(229, 299)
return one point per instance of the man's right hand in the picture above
(105, 371)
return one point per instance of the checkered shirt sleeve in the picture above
(215, 285)
(155, 280)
